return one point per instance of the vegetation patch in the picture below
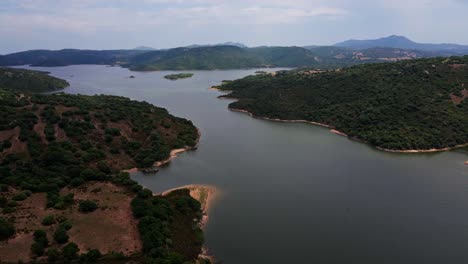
(405, 105)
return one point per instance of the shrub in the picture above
(103, 167)
(66, 225)
(48, 220)
(61, 236)
(53, 254)
(70, 251)
(92, 256)
(7, 230)
(3, 201)
(12, 204)
(20, 197)
(87, 206)
(37, 249)
(8, 210)
(75, 182)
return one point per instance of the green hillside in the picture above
(415, 104)
(203, 58)
(29, 81)
(56, 147)
(214, 57)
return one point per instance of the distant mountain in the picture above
(236, 44)
(143, 48)
(404, 43)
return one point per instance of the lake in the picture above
(296, 193)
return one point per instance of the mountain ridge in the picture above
(395, 41)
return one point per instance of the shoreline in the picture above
(172, 155)
(407, 151)
(175, 152)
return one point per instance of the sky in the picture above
(123, 24)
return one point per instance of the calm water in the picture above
(296, 193)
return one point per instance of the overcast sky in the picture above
(106, 24)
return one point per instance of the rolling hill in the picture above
(417, 104)
(237, 56)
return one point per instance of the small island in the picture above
(174, 77)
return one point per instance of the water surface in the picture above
(296, 193)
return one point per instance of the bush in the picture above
(75, 182)
(61, 236)
(92, 256)
(53, 254)
(103, 167)
(66, 225)
(8, 210)
(70, 251)
(7, 230)
(87, 206)
(20, 196)
(3, 201)
(12, 204)
(37, 249)
(48, 220)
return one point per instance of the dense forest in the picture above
(54, 143)
(214, 57)
(47, 58)
(29, 81)
(416, 104)
(177, 76)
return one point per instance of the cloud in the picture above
(57, 23)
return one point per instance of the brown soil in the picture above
(111, 227)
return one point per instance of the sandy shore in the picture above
(423, 150)
(173, 154)
(344, 134)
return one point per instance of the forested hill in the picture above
(29, 81)
(57, 150)
(66, 57)
(214, 57)
(409, 105)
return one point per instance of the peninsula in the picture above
(63, 195)
(409, 106)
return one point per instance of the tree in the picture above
(48, 220)
(92, 256)
(70, 251)
(7, 230)
(53, 254)
(87, 206)
(61, 236)
(37, 249)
